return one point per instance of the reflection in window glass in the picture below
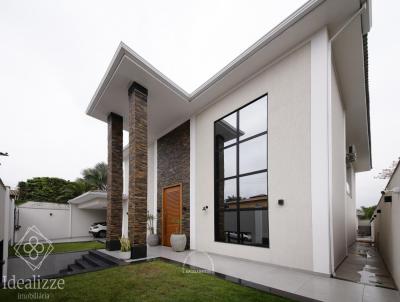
(229, 189)
(254, 227)
(226, 130)
(241, 202)
(253, 118)
(226, 211)
(229, 162)
(253, 190)
(253, 155)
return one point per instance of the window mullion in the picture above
(237, 179)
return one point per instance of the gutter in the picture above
(365, 13)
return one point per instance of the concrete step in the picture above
(96, 262)
(74, 268)
(105, 258)
(89, 262)
(84, 264)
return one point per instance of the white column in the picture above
(193, 183)
(155, 187)
(321, 152)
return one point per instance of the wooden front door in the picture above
(172, 212)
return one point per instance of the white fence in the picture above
(51, 219)
(4, 225)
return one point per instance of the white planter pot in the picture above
(125, 255)
(178, 242)
(152, 239)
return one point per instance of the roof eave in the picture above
(125, 51)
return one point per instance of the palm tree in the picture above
(96, 177)
(74, 189)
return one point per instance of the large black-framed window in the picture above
(241, 175)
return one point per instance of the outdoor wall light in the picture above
(281, 202)
(51, 214)
(394, 190)
(205, 208)
(379, 211)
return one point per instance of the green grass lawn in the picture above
(64, 247)
(149, 281)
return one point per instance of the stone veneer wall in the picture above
(173, 167)
(114, 181)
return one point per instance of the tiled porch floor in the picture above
(364, 265)
(288, 280)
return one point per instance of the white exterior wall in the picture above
(339, 206)
(351, 210)
(386, 228)
(4, 224)
(289, 168)
(320, 152)
(55, 226)
(81, 219)
(2, 210)
(151, 183)
(11, 222)
(125, 169)
(151, 204)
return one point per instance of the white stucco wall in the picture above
(386, 227)
(351, 209)
(4, 224)
(81, 219)
(151, 181)
(288, 86)
(2, 210)
(339, 207)
(11, 221)
(54, 226)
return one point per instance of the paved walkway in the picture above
(364, 265)
(282, 279)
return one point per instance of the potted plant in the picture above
(152, 239)
(178, 239)
(125, 248)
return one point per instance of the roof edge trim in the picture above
(125, 51)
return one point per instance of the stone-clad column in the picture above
(137, 208)
(114, 182)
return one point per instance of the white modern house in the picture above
(385, 225)
(259, 162)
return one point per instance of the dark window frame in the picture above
(237, 176)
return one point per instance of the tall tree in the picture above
(74, 189)
(52, 189)
(42, 189)
(368, 212)
(387, 173)
(97, 176)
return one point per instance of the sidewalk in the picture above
(365, 265)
